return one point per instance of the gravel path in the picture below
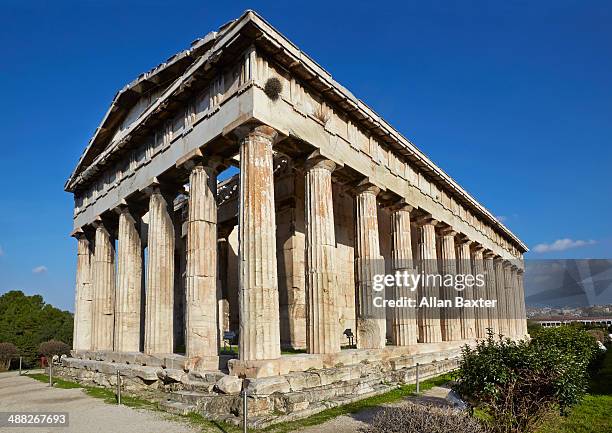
(86, 414)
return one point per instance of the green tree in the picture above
(27, 321)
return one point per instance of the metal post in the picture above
(418, 389)
(118, 387)
(244, 412)
(20, 358)
(51, 373)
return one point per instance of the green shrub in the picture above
(571, 339)
(52, 347)
(416, 418)
(517, 384)
(8, 351)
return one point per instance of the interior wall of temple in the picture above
(344, 226)
(384, 235)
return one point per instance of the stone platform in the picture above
(307, 384)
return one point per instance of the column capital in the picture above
(84, 231)
(197, 158)
(158, 187)
(99, 222)
(400, 206)
(463, 239)
(258, 130)
(365, 186)
(316, 160)
(488, 254)
(446, 230)
(478, 247)
(426, 220)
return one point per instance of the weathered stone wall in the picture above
(292, 395)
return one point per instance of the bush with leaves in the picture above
(416, 418)
(517, 384)
(8, 351)
(52, 347)
(571, 339)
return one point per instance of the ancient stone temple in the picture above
(318, 195)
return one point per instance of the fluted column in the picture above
(516, 297)
(430, 330)
(500, 283)
(83, 294)
(491, 291)
(322, 331)
(450, 317)
(258, 293)
(481, 318)
(201, 336)
(129, 284)
(104, 289)
(523, 312)
(159, 310)
(404, 329)
(464, 267)
(371, 321)
(509, 292)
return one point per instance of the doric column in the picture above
(450, 317)
(430, 330)
(129, 283)
(404, 329)
(159, 314)
(201, 336)
(491, 291)
(104, 289)
(523, 312)
(322, 324)
(83, 294)
(258, 293)
(509, 292)
(500, 284)
(464, 267)
(516, 298)
(371, 321)
(480, 313)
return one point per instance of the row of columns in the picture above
(115, 304)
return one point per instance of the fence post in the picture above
(118, 387)
(244, 411)
(20, 365)
(418, 388)
(51, 373)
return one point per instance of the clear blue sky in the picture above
(513, 99)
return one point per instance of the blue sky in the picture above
(512, 99)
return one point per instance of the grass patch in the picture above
(57, 383)
(208, 425)
(105, 394)
(594, 413)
